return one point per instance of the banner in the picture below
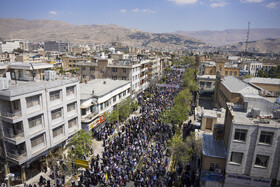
(168, 85)
(247, 180)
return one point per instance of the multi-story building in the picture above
(252, 138)
(98, 96)
(36, 117)
(229, 89)
(269, 85)
(136, 71)
(225, 69)
(56, 46)
(9, 46)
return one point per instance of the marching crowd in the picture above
(136, 154)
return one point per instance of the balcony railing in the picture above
(14, 136)
(17, 157)
(90, 116)
(9, 115)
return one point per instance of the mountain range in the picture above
(44, 30)
(231, 36)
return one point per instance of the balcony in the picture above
(9, 115)
(89, 117)
(13, 136)
(16, 156)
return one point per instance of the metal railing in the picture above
(10, 115)
(17, 157)
(14, 136)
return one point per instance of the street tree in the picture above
(81, 145)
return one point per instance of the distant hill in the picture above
(260, 46)
(43, 30)
(231, 36)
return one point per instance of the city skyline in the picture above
(153, 16)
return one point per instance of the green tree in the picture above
(246, 76)
(113, 116)
(81, 145)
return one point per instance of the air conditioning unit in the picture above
(50, 75)
(255, 112)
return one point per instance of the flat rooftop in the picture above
(236, 85)
(262, 80)
(100, 88)
(212, 147)
(26, 65)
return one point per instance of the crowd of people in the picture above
(136, 153)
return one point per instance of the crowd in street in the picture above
(136, 153)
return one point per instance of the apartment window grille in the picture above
(70, 90)
(240, 134)
(35, 121)
(71, 107)
(266, 137)
(58, 131)
(56, 113)
(262, 160)
(33, 101)
(37, 140)
(55, 95)
(236, 157)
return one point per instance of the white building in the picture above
(36, 117)
(9, 46)
(98, 96)
(252, 138)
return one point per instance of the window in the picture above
(262, 160)
(124, 70)
(92, 68)
(123, 78)
(124, 93)
(101, 106)
(235, 74)
(211, 168)
(128, 90)
(230, 73)
(55, 95)
(71, 106)
(83, 68)
(211, 72)
(240, 135)
(209, 122)
(266, 137)
(120, 95)
(236, 157)
(56, 114)
(220, 68)
(92, 76)
(72, 123)
(208, 84)
(34, 121)
(201, 84)
(84, 111)
(58, 131)
(114, 77)
(70, 90)
(33, 101)
(101, 71)
(114, 98)
(37, 140)
(226, 73)
(114, 70)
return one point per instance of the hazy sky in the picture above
(151, 15)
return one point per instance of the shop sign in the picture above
(211, 176)
(99, 120)
(247, 180)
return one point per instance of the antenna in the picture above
(246, 43)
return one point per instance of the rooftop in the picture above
(26, 65)
(206, 76)
(212, 147)
(219, 115)
(262, 80)
(236, 85)
(100, 88)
